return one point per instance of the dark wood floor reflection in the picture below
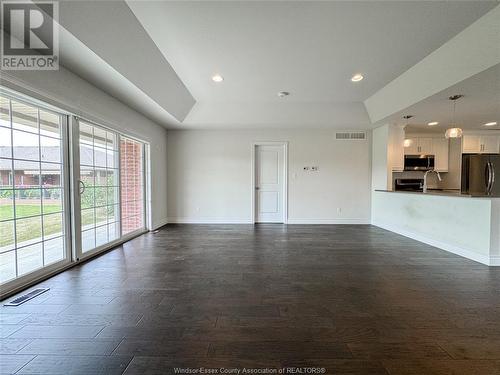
(351, 299)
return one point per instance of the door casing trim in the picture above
(284, 144)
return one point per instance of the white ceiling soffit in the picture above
(134, 67)
(309, 48)
(480, 105)
(475, 49)
(82, 61)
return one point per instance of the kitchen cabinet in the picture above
(480, 144)
(411, 146)
(396, 155)
(490, 144)
(418, 146)
(425, 146)
(440, 149)
(471, 144)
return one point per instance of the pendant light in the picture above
(454, 132)
(407, 142)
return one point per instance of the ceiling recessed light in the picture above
(433, 123)
(217, 78)
(493, 123)
(357, 77)
(282, 94)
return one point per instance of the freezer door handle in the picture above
(487, 177)
(491, 177)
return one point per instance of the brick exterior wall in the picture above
(131, 155)
(29, 180)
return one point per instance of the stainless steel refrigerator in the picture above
(481, 175)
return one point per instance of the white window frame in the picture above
(78, 254)
(71, 175)
(21, 281)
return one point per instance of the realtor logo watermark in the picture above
(30, 35)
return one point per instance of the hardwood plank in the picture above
(442, 367)
(354, 299)
(81, 365)
(11, 363)
(57, 332)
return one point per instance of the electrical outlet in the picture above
(315, 169)
(306, 168)
(339, 210)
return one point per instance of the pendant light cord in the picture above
(454, 112)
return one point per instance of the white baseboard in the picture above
(484, 259)
(328, 221)
(204, 220)
(207, 220)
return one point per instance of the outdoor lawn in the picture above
(24, 210)
(29, 225)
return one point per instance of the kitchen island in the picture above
(459, 223)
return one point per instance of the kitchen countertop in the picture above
(446, 193)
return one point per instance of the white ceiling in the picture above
(480, 104)
(308, 48)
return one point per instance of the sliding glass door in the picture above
(33, 212)
(99, 186)
(57, 208)
(111, 186)
(132, 183)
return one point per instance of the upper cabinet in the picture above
(425, 146)
(396, 149)
(480, 144)
(490, 144)
(437, 146)
(418, 146)
(411, 146)
(471, 143)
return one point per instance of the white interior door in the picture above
(269, 183)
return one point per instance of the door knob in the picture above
(257, 188)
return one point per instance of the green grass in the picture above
(29, 229)
(24, 210)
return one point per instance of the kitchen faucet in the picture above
(425, 178)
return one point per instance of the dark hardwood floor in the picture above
(350, 299)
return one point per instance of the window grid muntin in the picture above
(47, 130)
(14, 188)
(103, 179)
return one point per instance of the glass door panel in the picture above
(32, 188)
(132, 184)
(99, 187)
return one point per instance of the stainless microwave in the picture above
(419, 162)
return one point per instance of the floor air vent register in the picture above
(26, 297)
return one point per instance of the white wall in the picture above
(209, 177)
(69, 92)
(495, 230)
(380, 169)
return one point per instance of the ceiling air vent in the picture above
(344, 136)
